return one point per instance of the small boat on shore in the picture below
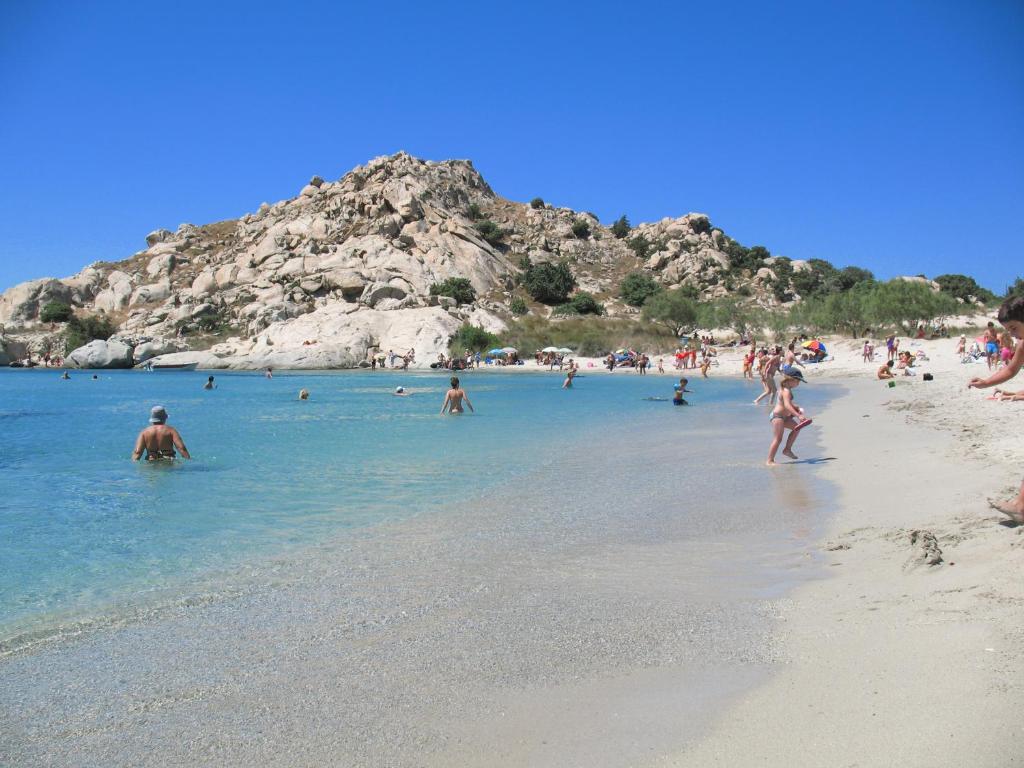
(170, 366)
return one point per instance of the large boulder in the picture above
(101, 354)
(154, 347)
(23, 302)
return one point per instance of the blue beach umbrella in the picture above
(495, 352)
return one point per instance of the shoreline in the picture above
(892, 660)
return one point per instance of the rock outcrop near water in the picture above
(344, 270)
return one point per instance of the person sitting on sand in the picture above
(303, 394)
(677, 398)
(1011, 315)
(786, 415)
(159, 439)
(209, 384)
(454, 398)
(885, 372)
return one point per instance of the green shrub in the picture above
(55, 312)
(81, 330)
(473, 338)
(637, 287)
(581, 304)
(536, 203)
(581, 229)
(1017, 289)
(473, 211)
(781, 285)
(549, 283)
(458, 288)
(490, 231)
(673, 310)
(640, 245)
(621, 227)
(518, 306)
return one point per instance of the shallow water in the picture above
(357, 554)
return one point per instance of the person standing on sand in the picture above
(748, 364)
(890, 347)
(454, 398)
(791, 358)
(786, 415)
(991, 345)
(661, 366)
(159, 439)
(1011, 315)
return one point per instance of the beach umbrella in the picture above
(509, 350)
(496, 352)
(815, 346)
(550, 349)
(564, 351)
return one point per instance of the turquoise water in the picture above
(84, 531)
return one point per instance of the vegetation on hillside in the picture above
(458, 288)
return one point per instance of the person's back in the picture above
(454, 399)
(159, 440)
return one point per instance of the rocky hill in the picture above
(344, 269)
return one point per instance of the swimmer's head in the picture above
(209, 378)
(455, 382)
(157, 414)
(303, 394)
(399, 390)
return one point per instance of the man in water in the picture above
(400, 392)
(454, 398)
(159, 440)
(209, 384)
(303, 394)
(677, 398)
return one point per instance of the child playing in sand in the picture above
(885, 372)
(1011, 315)
(786, 415)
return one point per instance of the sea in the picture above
(363, 577)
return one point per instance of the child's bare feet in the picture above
(770, 463)
(1012, 509)
(788, 452)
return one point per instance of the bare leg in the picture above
(778, 427)
(1012, 508)
(788, 450)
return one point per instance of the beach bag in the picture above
(927, 377)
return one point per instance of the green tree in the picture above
(490, 231)
(903, 302)
(1015, 290)
(621, 227)
(55, 312)
(518, 306)
(549, 283)
(458, 288)
(81, 330)
(474, 212)
(672, 310)
(581, 229)
(536, 203)
(637, 287)
(473, 338)
(964, 287)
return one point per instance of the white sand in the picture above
(894, 661)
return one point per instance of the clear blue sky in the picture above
(884, 134)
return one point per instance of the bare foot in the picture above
(770, 463)
(1009, 508)
(788, 452)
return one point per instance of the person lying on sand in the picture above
(1011, 315)
(159, 439)
(885, 372)
(786, 415)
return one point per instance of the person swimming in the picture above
(303, 393)
(400, 392)
(159, 440)
(454, 398)
(209, 384)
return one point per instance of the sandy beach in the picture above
(909, 651)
